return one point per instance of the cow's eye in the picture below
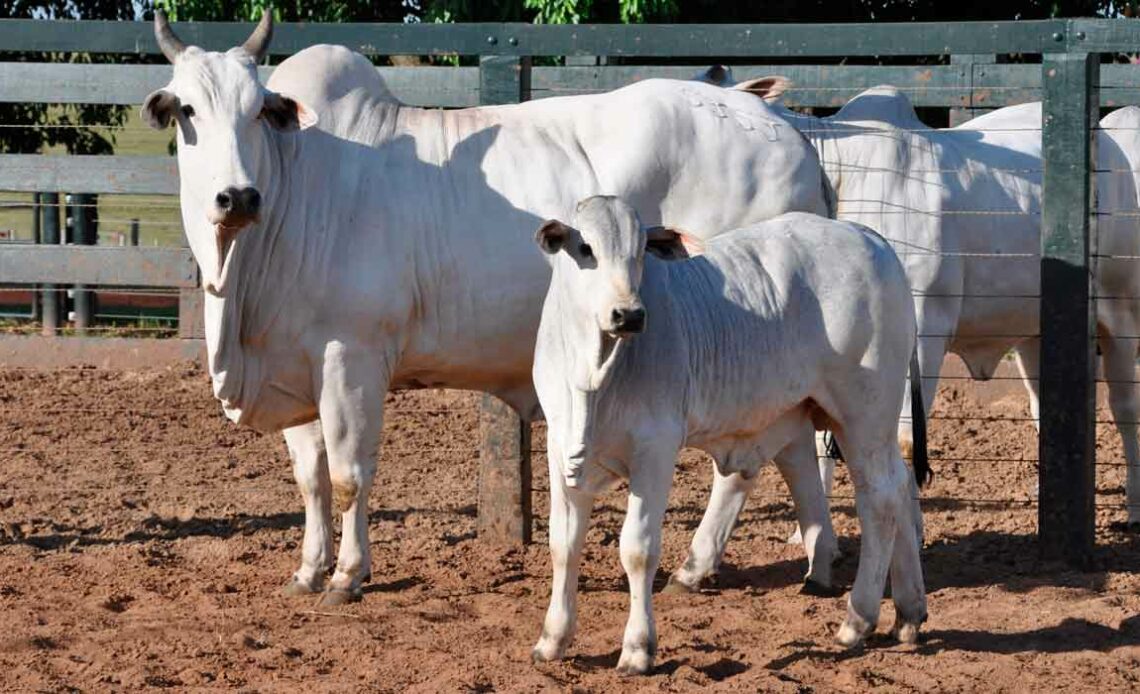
(188, 111)
(586, 251)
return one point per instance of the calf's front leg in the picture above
(353, 383)
(651, 477)
(569, 520)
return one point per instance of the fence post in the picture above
(134, 235)
(504, 450)
(37, 237)
(1066, 511)
(50, 299)
(974, 63)
(84, 234)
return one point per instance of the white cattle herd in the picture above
(696, 294)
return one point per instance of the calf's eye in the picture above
(586, 251)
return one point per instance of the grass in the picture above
(159, 218)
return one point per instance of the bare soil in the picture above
(144, 541)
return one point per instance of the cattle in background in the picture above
(740, 352)
(962, 207)
(349, 244)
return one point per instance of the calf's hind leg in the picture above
(311, 470)
(882, 489)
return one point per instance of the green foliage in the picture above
(34, 127)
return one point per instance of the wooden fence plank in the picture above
(1066, 512)
(109, 266)
(72, 83)
(34, 351)
(90, 174)
(504, 450)
(776, 40)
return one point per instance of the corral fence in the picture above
(959, 70)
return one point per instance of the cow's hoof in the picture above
(548, 649)
(635, 661)
(294, 588)
(905, 632)
(676, 586)
(334, 597)
(817, 589)
(853, 631)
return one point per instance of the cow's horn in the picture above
(170, 44)
(258, 42)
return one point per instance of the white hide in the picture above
(962, 207)
(777, 326)
(393, 245)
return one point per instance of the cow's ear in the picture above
(720, 75)
(286, 113)
(665, 243)
(769, 89)
(551, 235)
(159, 108)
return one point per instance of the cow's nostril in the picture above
(618, 317)
(252, 200)
(224, 200)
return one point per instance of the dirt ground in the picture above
(144, 541)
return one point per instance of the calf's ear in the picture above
(551, 235)
(665, 243)
(287, 114)
(159, 108)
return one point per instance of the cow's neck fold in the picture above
(270, 262)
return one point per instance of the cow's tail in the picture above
(922, 472)
(829, 197)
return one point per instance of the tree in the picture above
(32, 127)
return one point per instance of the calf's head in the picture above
(598, 265)
(224, 118)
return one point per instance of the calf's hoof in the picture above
(853, 631)
(677, 586)
(295, 588)
(635, 661)
(334, 597)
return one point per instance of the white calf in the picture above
(781, 327)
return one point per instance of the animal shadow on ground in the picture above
(60, 535)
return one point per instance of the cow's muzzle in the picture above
(234, 210)
(627, 321)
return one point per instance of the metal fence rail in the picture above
(1070, 81)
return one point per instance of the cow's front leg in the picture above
(729, 492)
(651, 477)
(354, 381)
(306, 446)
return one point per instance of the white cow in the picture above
(388, 248)
(779, 327)
(962, 207)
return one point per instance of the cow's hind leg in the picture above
(352, 390)
(651, 477)
(882, 489)
(826, 477)
(729, 492)
(310, 468)
(798, 464)
(569, 521)
(1120, 374)
(908, 588)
